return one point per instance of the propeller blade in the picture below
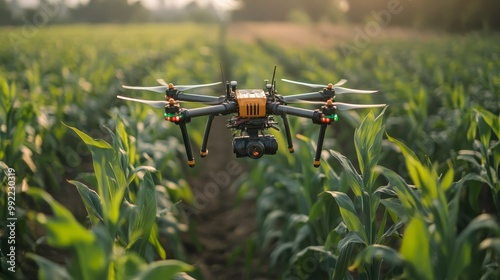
(339, 83)
(346, 106)
(304, 84)
(156, 104)
(310, 96)
(158, 89)
(186, 87)
(342, 90)
(340, 105)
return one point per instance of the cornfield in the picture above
(411, 191)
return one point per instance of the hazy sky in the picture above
(146, 3)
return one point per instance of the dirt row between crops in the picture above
(320, 35)
(222, 226)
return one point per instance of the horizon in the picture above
(149, 4)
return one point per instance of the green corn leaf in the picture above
(348, 213)
(165, 269)
(49, 270)
(63, 231)
(335, 236)
(465, 240)
(346, 246)
(127, 266)
(378, 252)
(91, 201)
(279, 251)
(368, 144)
(447, 180)
(98, 143)
(313, 262)
(153, 240)
(142, 217)
(61, 223)
(415, 249)
(303, 232)
(103, 155)
(484, 130)
(353, 178)
(395, 207)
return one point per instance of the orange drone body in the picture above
(251, 103)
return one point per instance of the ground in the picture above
(318, 35)
(223, 226)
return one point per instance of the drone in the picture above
(252, 111)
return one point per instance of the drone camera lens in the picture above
(255, 149)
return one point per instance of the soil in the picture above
(318, 35)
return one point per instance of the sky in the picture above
(147, 3)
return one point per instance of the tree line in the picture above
(449, 15)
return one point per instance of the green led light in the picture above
(169, 115)
(334, 117)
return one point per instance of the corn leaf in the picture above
(91, 201)
(348, 213)
(415, 249)
(165, 269)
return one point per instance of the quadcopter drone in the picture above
(252, 113)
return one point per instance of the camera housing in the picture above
(255, 147)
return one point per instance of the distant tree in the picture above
(266, 10)
(317, 9)
(449, 15)
(97, 11)
(5, 13)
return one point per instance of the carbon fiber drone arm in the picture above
(278, 109)
(224, 109)
(198, 98)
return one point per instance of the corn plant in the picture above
(95, 255)
(432, 246)
(123, 216)
(485, 156)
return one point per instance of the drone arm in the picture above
(225, 108)
(278, 109)
(197, 98)
(319, 148)
(204, 151)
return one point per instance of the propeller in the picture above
(156, 104)
(162, 103)
(339, 83)
(164, 86)
(340, 105)
(336, 87)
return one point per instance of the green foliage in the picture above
(120, 217)
(420, 203)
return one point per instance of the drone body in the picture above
(253, 112)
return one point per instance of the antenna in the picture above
(273, 81)
(228, 92)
